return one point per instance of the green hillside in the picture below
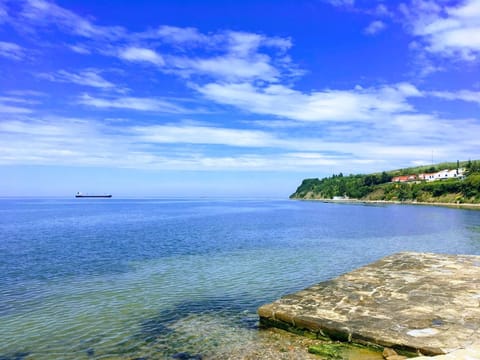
(378, 186)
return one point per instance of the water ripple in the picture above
(151, 279)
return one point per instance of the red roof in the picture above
(402, 178)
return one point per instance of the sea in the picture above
(182, 278)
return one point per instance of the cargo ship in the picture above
(80, 195)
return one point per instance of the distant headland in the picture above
(444, 183)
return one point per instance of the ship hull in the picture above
(93, 196)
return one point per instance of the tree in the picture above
(385, 178)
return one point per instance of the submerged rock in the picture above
(186, 356)
(390, 354)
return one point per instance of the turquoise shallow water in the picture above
(111, 278)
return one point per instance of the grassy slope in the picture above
(377, 186)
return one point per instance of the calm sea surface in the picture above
(111, 278)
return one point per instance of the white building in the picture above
(444, 175)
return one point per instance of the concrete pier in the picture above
(420, 302)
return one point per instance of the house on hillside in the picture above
(404, 178)
(440, 175)
(443, 175)
(427, 176)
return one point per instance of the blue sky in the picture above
(231, 98)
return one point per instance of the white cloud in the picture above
(242, 56)
(382, 10)
(228, 67)
(53, 140)
(139, 54)
(223, 55)
(3, 12)
(329, 105)
(88, 77)
(43, 127)
(195, 134)
(26, 93)
(75, 142)
(7, 109)
(88, 142)
(44, 13)
(231, 41)
(340, 2)
(17, 100)
(132, 103)
(10, 105)
(375, 27)
(243, 44)
(80, 49)
(464, 95)
(232, 55)
(250, 71)
(447, 30)
(11, 50)
(176, 35)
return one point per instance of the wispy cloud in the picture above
(382, 10)
(340, 2)
(26, 93)
(11, 50)
(14, 105)
(43, 13)
(186, 52)
(132, 103)
(3, 12)
(80, 49)
(289, 125)
(375, 27)
(227, 67)
(241, 55)
(7, 109)
(17, 100)
(464, 95)
(54, 140)
(88, 142)
(89, 77)
(45, 127)
(195, 134)
(232, 55)
(175, 35)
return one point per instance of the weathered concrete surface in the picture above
(427, 303)
(471, 353)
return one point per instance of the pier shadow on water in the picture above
(16, 356)
(186, 331)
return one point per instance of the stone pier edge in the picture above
(328, 329)
(328, 332)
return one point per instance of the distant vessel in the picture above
(80, 195)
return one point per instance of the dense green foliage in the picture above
(378, 186)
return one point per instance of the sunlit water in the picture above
(109, 278)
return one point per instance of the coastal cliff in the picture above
(454, 183)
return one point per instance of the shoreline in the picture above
(394, 202)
